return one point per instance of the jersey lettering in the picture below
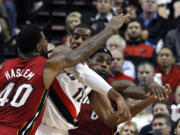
(17, 101)
(94, 116)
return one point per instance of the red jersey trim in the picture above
(64, 98)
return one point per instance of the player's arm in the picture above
(58, 62)
(90, 78)
(128, 90)
(103, 108)
(143, 104)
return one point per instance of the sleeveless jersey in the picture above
(22, 95)
(90, 123)
(63, 105)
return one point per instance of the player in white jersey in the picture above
(67, 93)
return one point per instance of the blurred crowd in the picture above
(147, 48)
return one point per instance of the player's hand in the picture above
(159, 92)
(123, 113)
(117, 21)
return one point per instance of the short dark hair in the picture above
(136, 20)
(146, 63)
(28, 39)
(101, 50)
(85, 25)
(165, 116)
(162, 102)
(166, 47)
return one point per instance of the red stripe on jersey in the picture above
(65, 99)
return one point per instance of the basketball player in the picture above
(25, 80)
(89, 121)
(57, 119)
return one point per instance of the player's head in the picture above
(81, 33)
(32, 40)
(100, 62)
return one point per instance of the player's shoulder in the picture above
(60, 49)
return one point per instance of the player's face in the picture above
(79, 36)
(159, 124)
(43, 45)
(145, 74)
(100, 63)
(165, 58)
(160, 108)
(134, 30)
(177, 130)
(128, 130)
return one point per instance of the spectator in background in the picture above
(4, 32)
(155, 24)
(116, 42)
(129, 129)
(12, 15)
(176, 107)
(145, 73)
(3, 11)
(116, 67)
(173, 41)
(177, 128)
(104, 14)
(117, 5)
(72, 20)
(160, 107)
(162, 124)
(168, 70)
(137, 50)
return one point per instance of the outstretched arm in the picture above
(102, 106)
(128, 90)
(58, 62)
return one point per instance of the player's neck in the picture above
(28, 55)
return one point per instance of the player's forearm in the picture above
(89, 47)
(141, 105)
(91, 79)
(134, 92)
(128, 89)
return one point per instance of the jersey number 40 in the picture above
(16, 101)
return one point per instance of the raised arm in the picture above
(58, 62)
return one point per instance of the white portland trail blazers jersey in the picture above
(63, 105)
(65, 97)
